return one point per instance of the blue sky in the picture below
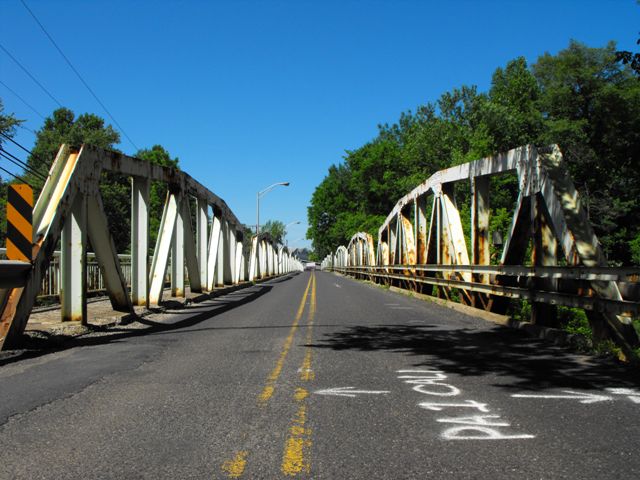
(248, 93)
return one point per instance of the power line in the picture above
(17, 177)
(30, 75)
(16, 143)
(25, 149)
(16, 161)
(21, 99)
(26, 128)
(78, 74)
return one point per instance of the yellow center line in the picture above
(306, 371)
(234, 468)
(295, 458)
(269, 388)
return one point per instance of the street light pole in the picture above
(260, 194)
(285, 230)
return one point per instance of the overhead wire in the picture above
(24, 69)
(22, 99)
(16, 161)
(27, 129)
(17, 177)
(16, 143)
(25, 149)
(78, 74)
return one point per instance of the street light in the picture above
(262, 193)
(285, 229)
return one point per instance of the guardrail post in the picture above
(73, 260)
(139, 240)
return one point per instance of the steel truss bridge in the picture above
(70, 212)
(550, 257)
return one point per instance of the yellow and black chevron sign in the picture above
(19, 222)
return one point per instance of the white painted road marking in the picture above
(339, 286)
(569, 395)
(348, 392)
(474, 427)
(401, 308)
(631, 394)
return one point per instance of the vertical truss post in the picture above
(177, 253)
(202, 222)
(212, 256)
(421, 229)
(437, 206)
(431, 250)
(230, 256)
(190, 249)
(243, 270)
(139, 240)
(480, 252)
(545, 253)
(393, 242)
(73, 263)
(253, 259)
(223, 249)
(263, 259)
(163, 249)
(238, 264)
(106, 254)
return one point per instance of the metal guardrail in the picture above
(586, 300)
(51, 279)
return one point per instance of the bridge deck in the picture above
(318, 376)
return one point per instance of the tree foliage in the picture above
(276, 228)
(63, 127)
(582, 99)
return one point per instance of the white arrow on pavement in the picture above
(348, 392)
(582, 397)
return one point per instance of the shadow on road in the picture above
(519, 361)
(35, 347)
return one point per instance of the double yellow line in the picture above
(295, 457)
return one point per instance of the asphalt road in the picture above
(318, 376)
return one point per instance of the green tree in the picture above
(591, 106)
(276, 228)
(63, 127)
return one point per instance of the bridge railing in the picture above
(70, 212)
(422, 244)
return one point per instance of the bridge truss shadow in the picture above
(198, 312)
(516, 359)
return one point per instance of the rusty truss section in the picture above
(550, 256)
(70, 212)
